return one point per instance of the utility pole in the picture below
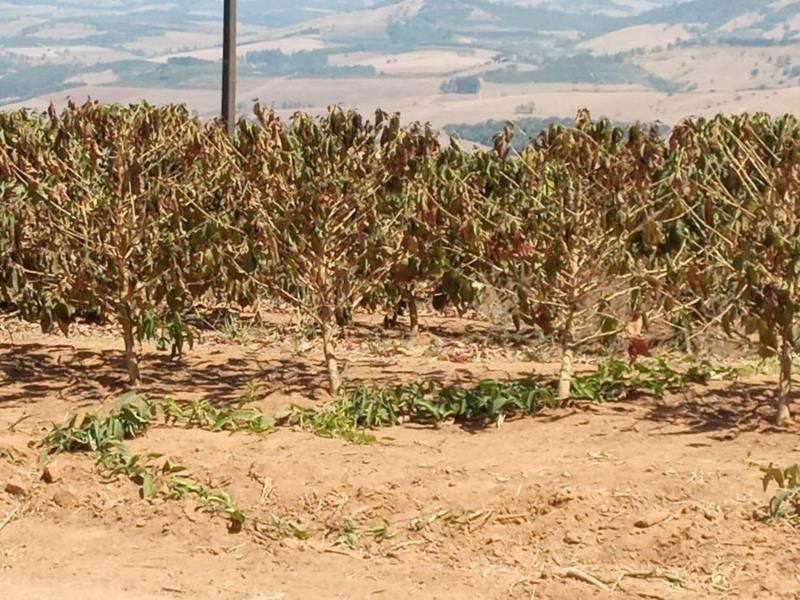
(229, 66)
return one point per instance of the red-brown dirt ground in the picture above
(652, 498)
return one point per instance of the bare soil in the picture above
(652, 499)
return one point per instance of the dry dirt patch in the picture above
(650, 499)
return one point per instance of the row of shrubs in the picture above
(138, 214)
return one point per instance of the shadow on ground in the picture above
(724, 412)
(33, 372)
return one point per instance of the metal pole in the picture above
(229, 66)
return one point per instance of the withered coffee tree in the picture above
(442, 221)
(570, 210)
(741, 190)
(322, 204)
(107, 221)
(133, 214)
(26, 267)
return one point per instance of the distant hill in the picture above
(659, 59)
(84, 34)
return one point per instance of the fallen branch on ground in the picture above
(574, 573)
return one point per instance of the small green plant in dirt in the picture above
(361, 407)
(105, 436)
(381, 532)
(116, 461)
(616, 378)
(237, 329)
(488, 401)
(345, 532)
(278, 527)
(788, 492)
(332, 421)
(202, 414)
(451, 516)
(344, 529)
(96, 433)
(135, 415)
(704, 371)
(429, 402)
(170, 480)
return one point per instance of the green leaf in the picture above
(149, 489)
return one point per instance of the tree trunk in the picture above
(131, 358)
(565, 375)
(687, 339)
(785, 383)
(567, 356)
(334, 379)
(413, 315)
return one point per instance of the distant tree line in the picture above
(305, 62)
(462, 85)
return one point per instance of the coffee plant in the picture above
(571, 227)
(741, 193)
(324, 201)
(787, 481)
(104, 219)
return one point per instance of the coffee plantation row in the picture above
(139, 214)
